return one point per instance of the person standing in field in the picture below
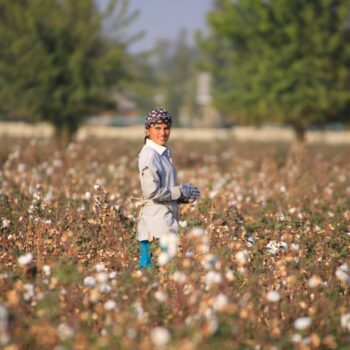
(158, 217)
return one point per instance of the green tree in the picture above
(281, 60)
(174, 67)
(56, 64)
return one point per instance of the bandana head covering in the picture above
(158, 116)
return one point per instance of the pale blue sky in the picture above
(165, 18)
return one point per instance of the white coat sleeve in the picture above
(151, 181)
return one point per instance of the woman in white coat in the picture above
(159, 212)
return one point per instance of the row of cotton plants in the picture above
(261, 261)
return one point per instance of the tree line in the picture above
(270, 60)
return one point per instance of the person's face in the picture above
(159, 133)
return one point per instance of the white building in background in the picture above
(203, 96)
(207, 116)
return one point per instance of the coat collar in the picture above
(159, 148)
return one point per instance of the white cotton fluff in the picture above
(28, 291)
(242, 257)
(4, 315)
(100, 267)
(314, 281)
(203, 248)
(102, 277)
(139, 311)
(89, 281)
(345, 321)
(179, 277)
(4, 321)
(294, 246)
(112, 274)
(160, 296)
(109, 305)
(170, 241)
(197, 232)
(64, 331)
(47, 270)
(160, 336)
(5, 223)
(220, 302)
(105, 288)
(230, 276)
(212, 277)
(342, 273)
(273, 247)
(183, 224)
(273, 296)
(209, 261)
(163, 258)
(302, 323)
(25, 259)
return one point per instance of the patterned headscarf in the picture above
(158, 116)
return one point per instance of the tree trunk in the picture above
(65, 131)
(300, 133)
(298, 147)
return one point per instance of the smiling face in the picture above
(159, 133)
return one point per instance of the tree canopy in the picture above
(281, 60)
(56, 64)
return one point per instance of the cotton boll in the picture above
(4, 321)
(64, 332)
(179, 277)
(5, 223)
(250, 241)
(47, 270)
(273, 296)
(169, 242)
(302, 323)
(220, 302)
(242, 257)
(110, 305)
(183, 224)
(112, 274)
(314, 281)
(212, 277)
(89, 281)
(102, 277)
(163, 258)
(203, 248)
(139, 311)
(100, 267)
(160, 296)
(105, 288)
(296, 338)
(197, 232)
(230, 276)
(345, 321)
(28, 291)
(342, 273)
(272, 247)
(25, 259)
(160, 336)
(209, 261)
(294, 246)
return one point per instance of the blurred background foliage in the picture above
(281, 60)
(55, 63)
(276, 61)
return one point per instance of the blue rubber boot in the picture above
(145, 261)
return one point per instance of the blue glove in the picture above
(189, 192)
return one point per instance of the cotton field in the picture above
(262, 260)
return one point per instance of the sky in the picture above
(165, 18)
